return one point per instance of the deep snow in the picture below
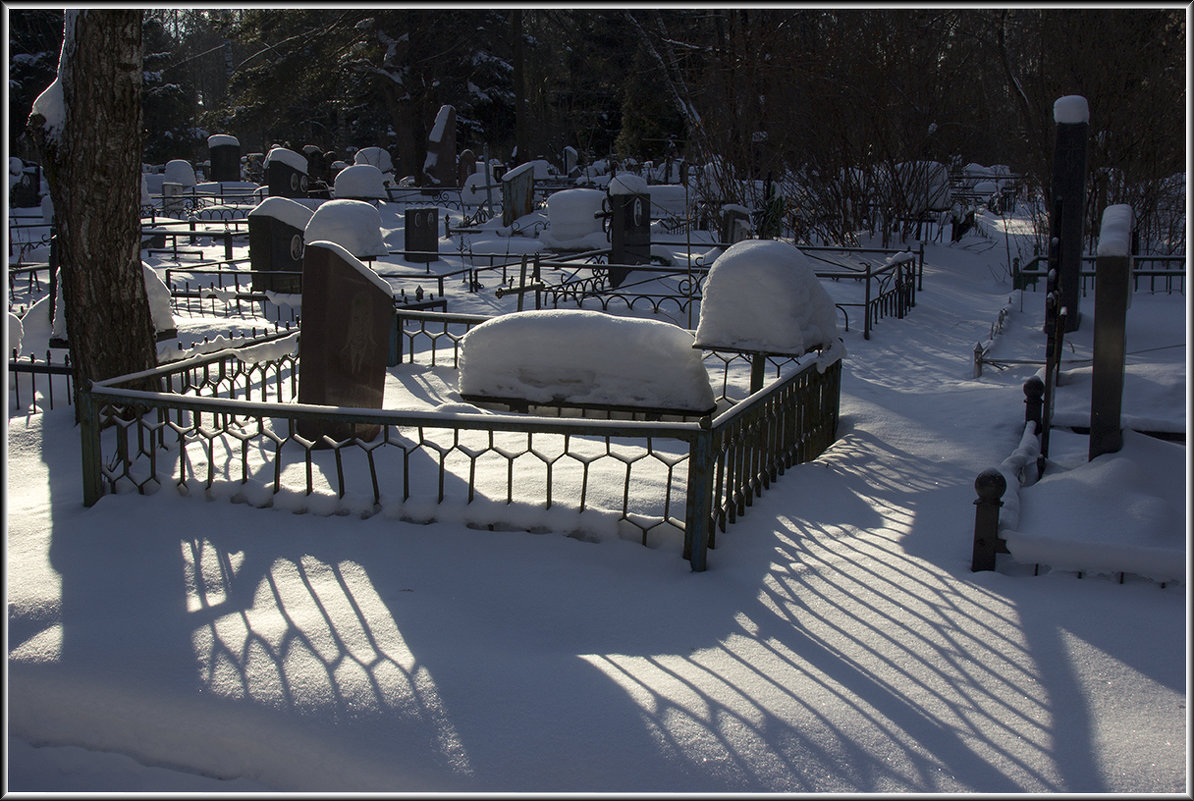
(837, 642)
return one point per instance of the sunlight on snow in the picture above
(315, 636)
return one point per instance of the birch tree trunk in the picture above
(87, 126)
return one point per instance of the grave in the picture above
(1071, 116)
(440, 164)
(735, 223)
(466, 165)
(286, 173)
(629, 225)
(1113, 296)
(762, 297)
(224, 152)
(585, 360)
(353, 224)
(360, 182)
(348, 311)
(422, 234)
(518, 192)
(276, 228)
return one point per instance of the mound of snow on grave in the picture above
(352, 224)
(764, 295)
(627, 183)
(1065, 521)
(584, 356)
(376, 157)
(572, 218)
(361, 181)
(291, 212)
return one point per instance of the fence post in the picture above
(699, 502)
(990, 486)
(978, 360)
(1034, 402)
(89, 435)
(866, 306)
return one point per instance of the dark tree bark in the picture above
(88, 130)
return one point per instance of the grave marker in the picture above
(518, 192)
(1071, 115)
(224, 151)
(440, 165)
(348, 310)
(1113, 295)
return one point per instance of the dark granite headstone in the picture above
(283, 176)
(629, 233)
(275, 245)
(440, 166)
(466, 165)
(224, 151)
(345, 342)
(422, 234)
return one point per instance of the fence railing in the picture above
(227, 424)
(1169, 278)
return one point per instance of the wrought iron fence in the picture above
(227, 424)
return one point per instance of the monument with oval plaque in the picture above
(276, 244)
(348, 310)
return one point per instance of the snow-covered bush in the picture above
(581, 356)
(353, 224)
(763, 295)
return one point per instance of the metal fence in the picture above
(227, 424)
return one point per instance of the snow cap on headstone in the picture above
(180, 171)
(361, 182)
(222, 140)
(352, 224)
(627, 183)
(1115, 234)
(285, 155)
(763, 295)
(1071, 109)
(291, 212)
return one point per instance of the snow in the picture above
(361, 181)
(222, 140)
(16, 333)
(375, 156)
(51, 106)
(627, 183)
(573, 221)
(1071, 110)
(1143, 532)
(291, 212)
(1115, 234)
(179, 171)
(763, 295)
(441, 124)
(584, 357)
(510, 175)
(837, 643)
(473, 193)
(295, 161)
(353, 224)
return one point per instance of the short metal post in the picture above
(978, 360)
(990, 486)
(699, 502)
(1034, 402)
(89, 434)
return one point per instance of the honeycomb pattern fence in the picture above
(226, 425)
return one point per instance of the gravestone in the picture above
(1113, 296)
(571, 161)
(224, 151)
(466, 166)
(286, 173)
(735, 223)
(348, 310)
(518, 192)
(629, 233)
(276, 228)
(440, 165)
(1071, 116)
(172, 202)
(422, 234)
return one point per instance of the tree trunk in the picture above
(88, 130)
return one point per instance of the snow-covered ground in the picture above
(838, 641)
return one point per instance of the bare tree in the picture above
(87, 126)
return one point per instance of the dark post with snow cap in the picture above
(1071, 115)
(1113, 295)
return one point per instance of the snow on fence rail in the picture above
(226, 425)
